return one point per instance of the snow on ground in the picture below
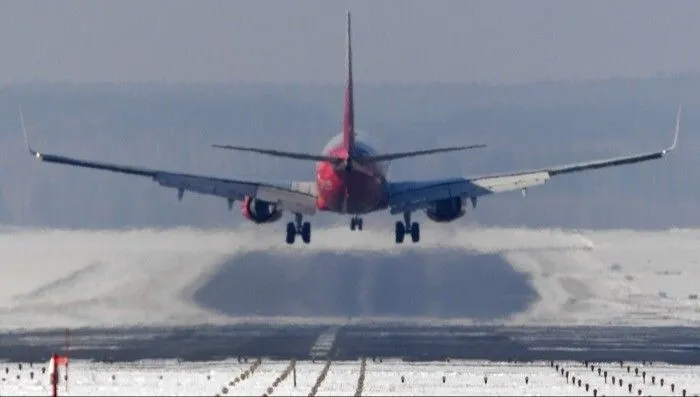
(307, 373)
(74, 278)
(460, 378)
(464, 378)
(341, 379)
(626, 277)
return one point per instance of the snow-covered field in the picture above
(61, 278)
(385, 378)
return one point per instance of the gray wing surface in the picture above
(416, 195)
(295, 196)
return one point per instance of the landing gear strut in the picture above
(406, 227)
(298, 227)
(356, 223)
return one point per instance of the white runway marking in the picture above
(324, 343)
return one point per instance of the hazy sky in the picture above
(302, 41)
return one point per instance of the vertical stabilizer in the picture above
(349, 111)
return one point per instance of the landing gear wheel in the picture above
(400, 232)
(291, 232)
(355, 223)
(298, 227)
(415, 232)
(407, 227)
(306, 232)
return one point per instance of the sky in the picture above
(302, 41)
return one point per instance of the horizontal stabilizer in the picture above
(338, 160)
(279, 153)
(394, 156)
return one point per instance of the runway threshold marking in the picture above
(323, 345)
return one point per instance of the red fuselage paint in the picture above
(362, 188)
(350, 192)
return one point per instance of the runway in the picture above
(480, 293)
(678, 345)
(447, 283)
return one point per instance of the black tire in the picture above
(415, 232)
(291, 233)
(400, 232)
(306, 232)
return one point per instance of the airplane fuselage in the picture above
(360, 190)
(351, 179)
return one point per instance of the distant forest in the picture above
(172, 127)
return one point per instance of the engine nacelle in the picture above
(259, 211)
(446, 210)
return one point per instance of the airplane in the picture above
(351, 178)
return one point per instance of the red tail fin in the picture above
(349, 111)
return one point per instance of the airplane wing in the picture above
(416, 195)
(294, 196)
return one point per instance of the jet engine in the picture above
(259, 211)
(446, 210)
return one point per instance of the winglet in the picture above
(676, 132)
(26, 136)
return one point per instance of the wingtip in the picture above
(27, 145)
(676, 131)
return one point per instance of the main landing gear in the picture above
(298, 227)
(406, 227)
(356, 223)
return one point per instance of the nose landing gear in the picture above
(356, 223)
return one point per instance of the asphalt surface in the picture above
(434, 283)
(668, 344)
